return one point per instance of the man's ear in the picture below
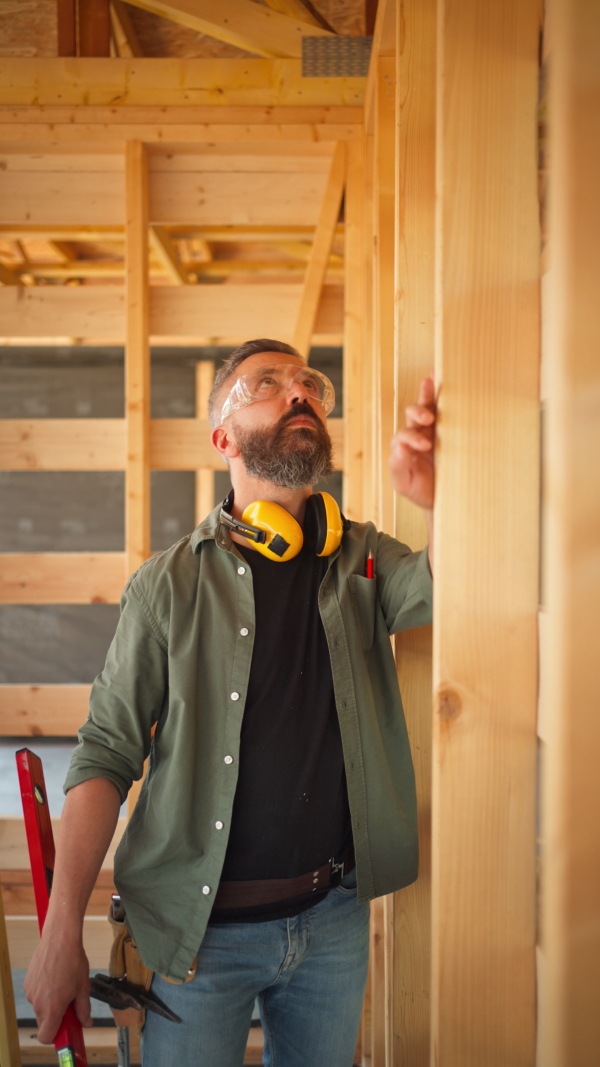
(224, 443)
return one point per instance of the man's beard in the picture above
(294, 459)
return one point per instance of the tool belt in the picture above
(272, 890)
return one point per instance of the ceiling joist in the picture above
(242, 23)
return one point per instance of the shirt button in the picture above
(228, 760)
(206, 890)
(244, 631)
(218, 825)
(235, 696)
(241, 570)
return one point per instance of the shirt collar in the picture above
(211, 529)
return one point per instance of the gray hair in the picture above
(230, 365)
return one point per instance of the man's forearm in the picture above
(86, 830)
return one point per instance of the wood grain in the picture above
(354, 331)
(42, 710)
(62, 577)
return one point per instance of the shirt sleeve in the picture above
(404, 585)
(126, 700)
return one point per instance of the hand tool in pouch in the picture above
(68, 1041)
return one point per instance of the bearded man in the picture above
(252, 665)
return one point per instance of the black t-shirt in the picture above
(290, 811)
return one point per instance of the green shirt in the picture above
(181, 659)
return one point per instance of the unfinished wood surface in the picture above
(93, 27)
(55, 197)
(124, 32)
(354, 331)
(14, 854)
(205, 478)
(19, 898)
(67, 27)
(62, 444)
(413, 360)
(234, 199)
(62, 578)
(50, 314)
(239, 22)
(485, 627)
(24, 937)
(137, 360)
(377, 983)
(9, 1031)
(320, 251)
(569, 1017)
(384, 199)
(42, 710)
(170, 82)
(184, 444)
(165, 250)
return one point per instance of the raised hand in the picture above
(412, 450)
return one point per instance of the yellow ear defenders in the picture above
(276, 534)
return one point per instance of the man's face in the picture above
(283, 439)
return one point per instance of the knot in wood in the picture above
(449, 704)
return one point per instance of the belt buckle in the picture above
(337, 868)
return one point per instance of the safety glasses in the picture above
(267, 382)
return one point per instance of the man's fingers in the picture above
(427, 391)
(83, 1009)
(48, 1028)
(418, 415)
(413, 440)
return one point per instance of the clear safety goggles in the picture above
(267, 382)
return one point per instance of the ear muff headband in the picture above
(276, 534)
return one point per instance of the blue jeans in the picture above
(309, 976)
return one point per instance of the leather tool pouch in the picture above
(126, 962)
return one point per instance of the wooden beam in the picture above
(24, 937)
(93, 27)
(125, 82)
(166, 252)
(137, 360)
(184, 444)
(302, 10)
(8, 276)
(17, 890)
(66, 27)
(570, 940)
(62, 578)
(49, 313)
(238, 22)
(384, 44)
(205, 478)
(9, 1031)
(414, 302)
(237, 123)
(124, 31)
(42, 710)
(14, 854)
(487, 521)
(320, 251)
(354, 331)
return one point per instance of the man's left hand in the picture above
(412, 455)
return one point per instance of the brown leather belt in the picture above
(271, 890)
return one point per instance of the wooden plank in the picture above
(66, 27)
(205, 479)
(19, 899)
(485, 606)
(384, 197)
(62, 578)
(413, 360)
(62, 444)
(166, 251)
(320, 252)
(137, 361)
(8, 276)
(125, 33)
(238, 311)
(13, 844)
(9, 1031)
(354, 332)
(377, 998)
(384, 44)
(294, 123)
(93, 27)
(298, 9)
(569, 1018)
(42, 710)
(235, 199)
(53, 197)
(24, 937)
(184, 444)
(263, 31)
(220, 83)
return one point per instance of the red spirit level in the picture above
(68, 1041)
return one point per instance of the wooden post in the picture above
(205, 478)
(93, 29)
(66, 27)
(486, 581)
(414, 358)
(354, 331)
(10, 1055)
(569, 1018)
(137, 369)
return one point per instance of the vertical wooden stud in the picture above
(485, 625)
(10, 1055)
(93, 27)
(354, 331)
(383, 281)
(137, 369)
(205, 478)
(67, 27)
(414, 357)
(570, 1020)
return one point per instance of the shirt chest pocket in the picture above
(363, 593)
